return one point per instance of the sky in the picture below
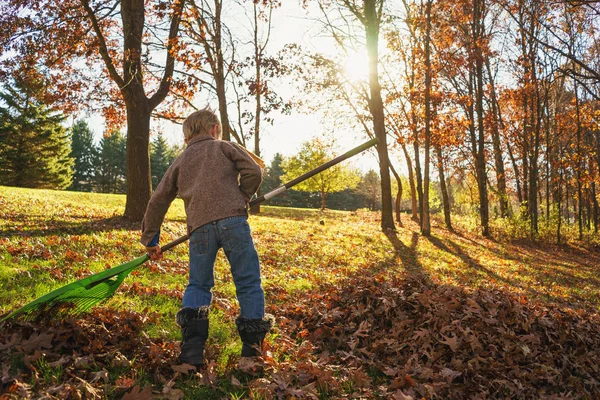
(290, 24)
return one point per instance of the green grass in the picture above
(50, 238)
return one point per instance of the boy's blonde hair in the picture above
(200, 123)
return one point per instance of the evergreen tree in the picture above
(273, 174)
(110, 161)
(83, 152)
(161, 157)
(34, 146)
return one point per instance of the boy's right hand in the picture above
(154, 252)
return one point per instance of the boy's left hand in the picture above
(155, 252)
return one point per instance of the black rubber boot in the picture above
(253, 332)
(194, 332)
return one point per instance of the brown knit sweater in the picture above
(216, 179)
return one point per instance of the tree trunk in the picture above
(425, 220)
(596, 209)
(579, 166)
(323, 198)
(445, 197)
(398, 195)
(516, 172)
(478, 7)
(411, 181)
(558, 207)
(372, 20)
(258, 98)
(419, 179)
(498, 161)
(139, 182)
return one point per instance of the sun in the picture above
(356, 67)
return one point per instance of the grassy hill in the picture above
(359, 313)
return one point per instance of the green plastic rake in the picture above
(79, 296)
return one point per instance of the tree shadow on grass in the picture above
(453, 248)
(408, 255)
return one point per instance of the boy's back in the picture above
(215, 179)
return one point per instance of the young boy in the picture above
(216, 179)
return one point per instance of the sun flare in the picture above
(356, 67)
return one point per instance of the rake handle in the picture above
(294, 182)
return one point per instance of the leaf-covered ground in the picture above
(360, 314)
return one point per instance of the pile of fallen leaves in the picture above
(95, 357)
(368, 338)
(414, 339)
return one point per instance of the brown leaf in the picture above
(449, 374)
(138, 394)
(183, 368)
(399, 395)
(452, 342)
(14, 339)
(37, 341)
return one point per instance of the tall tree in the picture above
(82, 152)
(369, 13)
(52, 36)
(34, 146)
(425, 219)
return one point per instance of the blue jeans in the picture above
(233, 235)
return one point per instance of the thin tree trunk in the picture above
(411, 181)
(579, 188)
(425, 221)
(445, 197)
(517, 174)
(498, 161)
(596, 209)
(478, 12)
(398, 195)
(258, 98)
(558, 206)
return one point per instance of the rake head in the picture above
(78, 296)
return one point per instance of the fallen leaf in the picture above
(183, 368)
(138, 394)
(452, 342)
(37, 341)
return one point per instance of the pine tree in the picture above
(109, 163)
(273, 174)
(161, 158)
(83, 152)
(34, 146)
